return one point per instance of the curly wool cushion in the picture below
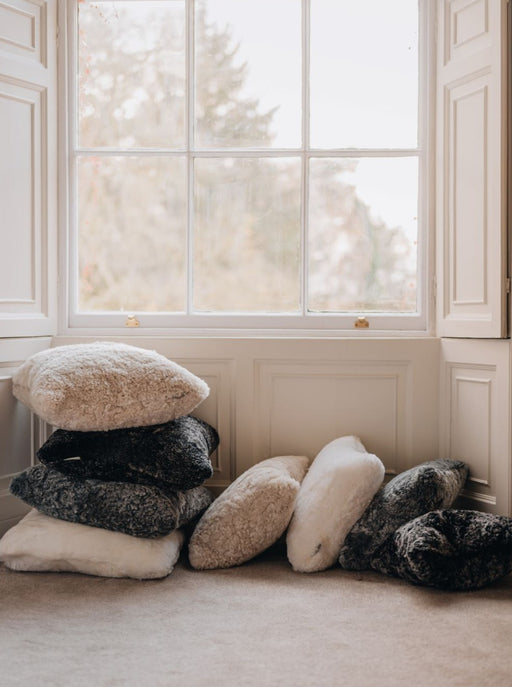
(135, 509)
(250, 515)
(174, 455)
(449, 549)
(41, 543)
(103, 385)
(338, 487)
(432, 485)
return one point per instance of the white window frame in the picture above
(212, 324)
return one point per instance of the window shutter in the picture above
(28, 168)
(471, 168)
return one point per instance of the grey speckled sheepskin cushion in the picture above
(135, 509)
(174, 455)
(105, 385)
(449, 549)
(430, 486)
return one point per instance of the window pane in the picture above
(248, 71)
(131, 71)
(363, 234)
(247, 235)
(132, 233)
(364, 73)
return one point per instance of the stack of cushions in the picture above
(128, 464)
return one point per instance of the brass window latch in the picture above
(361, 323)
(131, 321)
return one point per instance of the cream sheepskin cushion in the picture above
(340, 484)
(42, 543)
(250, 515)
(103, 385)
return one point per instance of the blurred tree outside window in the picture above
(247, 156)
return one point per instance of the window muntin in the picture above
(297, 274)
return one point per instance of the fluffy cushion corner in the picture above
(338, 487)
(135, 509)
(250, 515)
(429, 486)
(106, 385)
(175, 454)
(40, 543)
(455, 550)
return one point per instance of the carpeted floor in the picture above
(258, 624)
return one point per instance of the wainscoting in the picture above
(409, 400)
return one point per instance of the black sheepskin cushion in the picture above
(175, 454)
(136, 509)
(429, 486)
(449, 549)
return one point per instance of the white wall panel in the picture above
(20, 431)
(475, 418)
(471, 168)
(28, 168)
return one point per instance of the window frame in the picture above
(219, 324)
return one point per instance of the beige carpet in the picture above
(259, 624)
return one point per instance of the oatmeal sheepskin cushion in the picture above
(250, 515)
(104, 385)
(174, 455)
(135, 509)
(429, 486)
(454, 550)
(41, 543)
(335, 492)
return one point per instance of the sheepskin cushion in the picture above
(101, 386)
(338, 487)
(136, 509)
(449, 549)
(432, 485)
(41, 543)
(250, 515)
(174, 455)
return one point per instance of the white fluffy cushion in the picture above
(104, 385)
(340, 484)
(250, 515)
(41, 543)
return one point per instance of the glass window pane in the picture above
(364, 73)
(247, 235)
(248, 73)
(131, 74)
(132, 233)
(363, 234)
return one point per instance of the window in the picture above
(249, 163)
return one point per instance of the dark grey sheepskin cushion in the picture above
(174, 454)
(136, 509)
(429, 486)
(455, 550)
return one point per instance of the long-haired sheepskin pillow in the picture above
(250, 515)
(338, 487)
(41, 543)
(455, 550)
(136, 509)
(429, 486)
(104, 385)
(175, 454)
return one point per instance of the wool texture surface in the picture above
(40, 543)
(250, 515)
(334, 494)
(429, 486)
(136, 509)
(456, 550)
(174, 455)
(105, 385)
